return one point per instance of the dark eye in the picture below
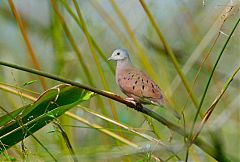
(118, 53)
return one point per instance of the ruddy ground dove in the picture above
(134, 83)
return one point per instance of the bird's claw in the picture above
(137, 105)
(130, 99)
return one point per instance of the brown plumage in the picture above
(134, 83)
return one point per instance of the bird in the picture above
(137, 85)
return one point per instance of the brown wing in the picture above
(138, 85)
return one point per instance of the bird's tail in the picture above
(175, 113)
(163, 103)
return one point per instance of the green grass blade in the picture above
(52, 104)
(211, 75)
(170, 53)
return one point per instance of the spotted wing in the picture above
(138, 85)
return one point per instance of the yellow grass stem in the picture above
(170, 53)
(111, 23)
(73, 43)
(99, 50)
(93, 52)
(27, 42)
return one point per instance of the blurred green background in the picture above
(193, 29)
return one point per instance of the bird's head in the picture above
(119, 55)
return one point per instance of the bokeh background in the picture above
(193, 30)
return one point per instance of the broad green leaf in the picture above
(26, 120)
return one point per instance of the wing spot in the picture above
(136, 82)
(142, 87)
(153, 91)
(139, 77)
(133, 87)
(128, 78)
(161, 96)
(147, 81)
(129, 73)
(124, 78)
(152, 85)
(132, 75)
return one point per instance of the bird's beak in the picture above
(110, 58)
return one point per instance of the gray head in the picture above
(119, 55)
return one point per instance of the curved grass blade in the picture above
(21, 123)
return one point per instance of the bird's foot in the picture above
(138, 106)
(130, 99)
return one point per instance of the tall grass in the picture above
(201, 81)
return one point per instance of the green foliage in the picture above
(21, 123)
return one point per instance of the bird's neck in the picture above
(123, 65)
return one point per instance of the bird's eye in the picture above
(118, 53)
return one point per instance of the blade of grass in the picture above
(57, 42)
(36, 115)
(150, 138)
(209, 112)
(82, 120)
(214, 29)
(111, 23)
(99, 68)
(208, 83)
(226, 115)
(170, 52)
(99, 50)
(96, 126)
(43, 146)
(208, 53)
(19, 88)
(75, 117)
(77, 51)
(26, 130)
(67, 141)
(27, 42)
(213, 105)
(200, 67)
(73, 43)
(11, 89)
(211, 75)
(113, 135)
(8, 88)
